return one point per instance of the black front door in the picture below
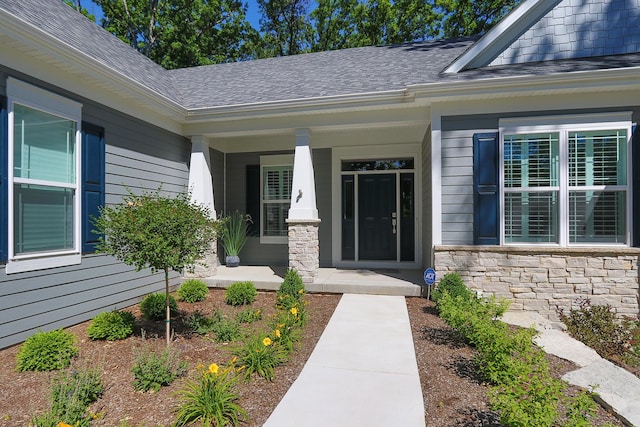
(377, 218)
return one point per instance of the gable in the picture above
(578, 29)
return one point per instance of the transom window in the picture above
(44, 183)
(567, 184)
(275, 194)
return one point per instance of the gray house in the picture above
(509, 158)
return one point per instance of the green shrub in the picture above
(152, 370)
(261, 354)
(211, 399)
(249, 315)
(597, 327)
(202, 324)
(285, 330)
(153, 306)
(193, 290)
(453, 284)
(240, 293)
(71, 395)
(111, 326)
(47, 351)
(227, 330)
(291, 290)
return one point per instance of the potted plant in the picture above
(234, 236)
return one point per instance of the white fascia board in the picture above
(49, 46)
(502, 34)
(578, 81)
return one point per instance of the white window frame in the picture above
(282, 160)
(563, 125)
(30, 96)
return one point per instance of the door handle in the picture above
(394, 222)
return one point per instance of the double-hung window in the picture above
(275, 194)
(43, 177)
(566, 182)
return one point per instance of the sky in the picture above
(253, 14)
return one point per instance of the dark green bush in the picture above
(153, 306)
(193, 290)
(291, 290)
(47, 351)
(597, 327)
(152, 370)
(240, 293)
(111, 326)
(453, 284)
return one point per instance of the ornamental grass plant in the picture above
(260, 354)
(211, 399)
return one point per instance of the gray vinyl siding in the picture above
(256, 253)
(139, 156)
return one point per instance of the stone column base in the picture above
(304, 248)
(211, 264)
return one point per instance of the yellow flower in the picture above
(277, 333)
(234, 360)
(266, 341)
(213, 368)
(301, 291)
(61, 424)
(280, 325)
(294, 311)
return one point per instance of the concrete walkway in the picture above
(363, 371)
(617, 388)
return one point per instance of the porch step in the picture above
(329, 280)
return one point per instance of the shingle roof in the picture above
(332, 73)
(62, 22)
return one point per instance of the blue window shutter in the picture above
(92, 182)
(635, 174)
(486, 189)
(4, 165)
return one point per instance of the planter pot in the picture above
(233, 261)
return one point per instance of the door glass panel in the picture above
(407, 221)
(348, 218)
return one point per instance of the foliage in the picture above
(227, 330)
(47, 351)
(249, 315)
(233, 232)
(211, 399)
(286, 331)
(284, 26)
(470, 17)
(523, 390)
(202, 324)
(453, 284)
(75, 4)
(156, 231)
(292, 286)
(182, 33)
(153, 306)
(111, 325)
(152, 370)
(260, 354)
(597, 327)
(193, 290)
(71, 394)
(240, 293)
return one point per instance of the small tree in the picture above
(156, 231)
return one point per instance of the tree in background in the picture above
(76, 4)
(182, 33)
(471, 17)
(285, 27)
(157, 232)
(185, 33)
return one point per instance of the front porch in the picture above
(329, 280)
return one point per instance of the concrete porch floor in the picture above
(329, 280)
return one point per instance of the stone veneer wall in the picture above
(544, 279)
(304, 248)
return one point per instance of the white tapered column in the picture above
(201, 188)
(303, 221)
